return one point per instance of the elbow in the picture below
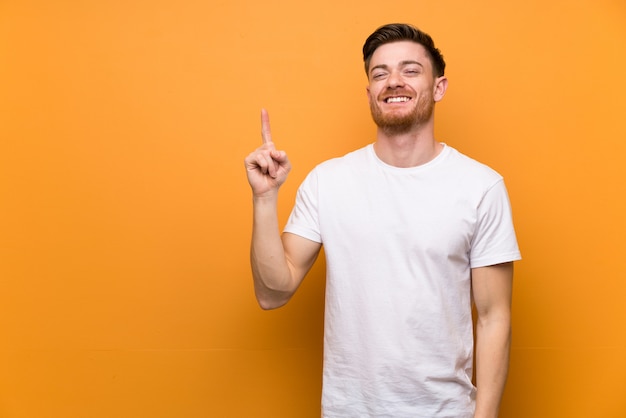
(268, 305)
(272, 299)
(501, 323)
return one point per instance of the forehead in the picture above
(394, 53)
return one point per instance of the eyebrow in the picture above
(402, 64)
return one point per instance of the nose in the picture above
(395, 80)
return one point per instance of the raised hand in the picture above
(267, 168)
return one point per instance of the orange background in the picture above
(125, 213)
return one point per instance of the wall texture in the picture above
(125, 213)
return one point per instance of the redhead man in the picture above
(414, 233)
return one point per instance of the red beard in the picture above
(392, 122)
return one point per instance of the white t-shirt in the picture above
(400, 244)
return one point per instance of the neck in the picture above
(407, 149)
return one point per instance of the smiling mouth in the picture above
(398, 99)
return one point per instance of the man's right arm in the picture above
(279, 264)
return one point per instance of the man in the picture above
(413, 233)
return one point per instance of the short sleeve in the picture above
(494, 239)
(304, 218)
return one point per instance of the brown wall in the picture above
(125, 214)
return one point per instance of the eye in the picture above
(379, 76)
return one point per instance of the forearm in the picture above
(493, 339)
(273, 282)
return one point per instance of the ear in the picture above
(441, 85)
(367, 92)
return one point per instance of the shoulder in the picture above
(470, 169)
(338, 170)
(350, 161)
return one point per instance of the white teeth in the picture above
(397, 99)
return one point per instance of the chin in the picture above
(395, 122)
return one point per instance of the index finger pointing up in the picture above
(266, 132)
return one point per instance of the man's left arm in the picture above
(492, 289)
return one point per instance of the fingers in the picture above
(266, 132)
(266, 159)
(268, 166)
(268, 162)
(279, 156)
